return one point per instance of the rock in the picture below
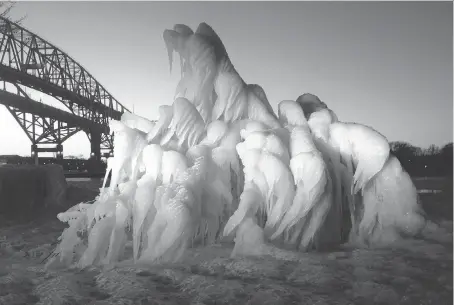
(22, 188)
(27, 189)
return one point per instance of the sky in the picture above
(388, 65)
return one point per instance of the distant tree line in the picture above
(431, 162)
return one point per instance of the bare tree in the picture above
(447, 155)
(447, 149)
(5, 11)
(405, 150)
(432, 150)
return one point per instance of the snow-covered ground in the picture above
(416, 272)
(413, 272)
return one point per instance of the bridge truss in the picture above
(28, 60)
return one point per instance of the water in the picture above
(429, 191)
(79, 179)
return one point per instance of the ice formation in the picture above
(313, 197)
(219, 162)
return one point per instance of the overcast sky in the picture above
(384, 64)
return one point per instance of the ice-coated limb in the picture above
(143, 202)
(118, 236)
(316, 220)
(153, 234)
(97, 242)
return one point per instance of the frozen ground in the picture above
(413, 272)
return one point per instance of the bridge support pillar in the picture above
(34, 154)
(95, 145)
(59, 152)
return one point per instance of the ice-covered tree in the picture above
(219, 161)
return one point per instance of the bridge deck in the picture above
(15, 76)
(32, 106)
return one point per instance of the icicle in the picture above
(171, 38)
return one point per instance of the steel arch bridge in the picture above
(27, 60)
